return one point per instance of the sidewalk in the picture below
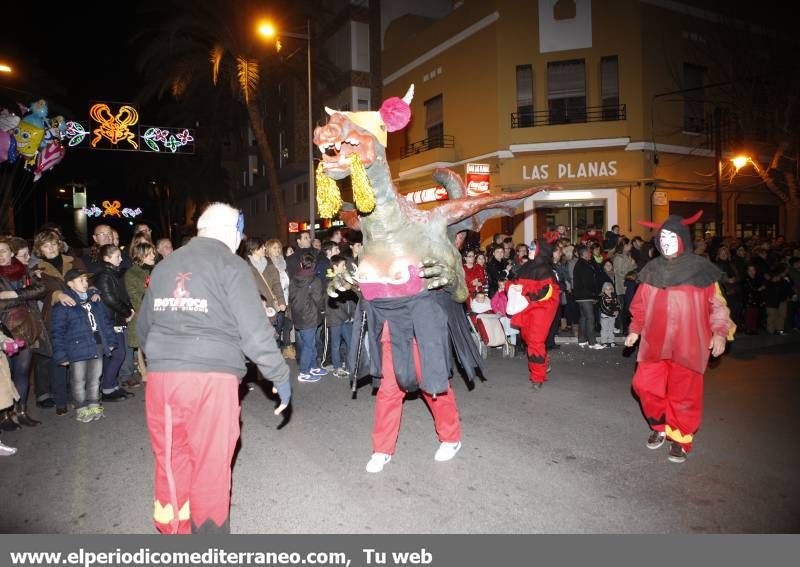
(741, 342)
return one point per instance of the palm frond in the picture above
(216, 57)
(247, 72)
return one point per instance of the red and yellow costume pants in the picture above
(534, 325)
(672, 399)
(193, 418)
(389, 405)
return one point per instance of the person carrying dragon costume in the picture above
(678, 314)
(409, 273)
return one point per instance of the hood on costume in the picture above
(679, 226)
(543, 248)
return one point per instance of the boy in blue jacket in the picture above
(82, 334)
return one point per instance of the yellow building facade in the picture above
(574, 96)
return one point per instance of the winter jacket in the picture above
(307, 300)
(136, 279)
(201, 313)
(53, 280)
(609, 306)
(340, 309)
(115, 297)
(268, 283)
(623, 263)
(777, 292)
(72, 335)
(753, 291)
(29, 289)
(584, 281)
(494, 270)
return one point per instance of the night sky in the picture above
(72, 54)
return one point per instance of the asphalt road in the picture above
(567, 459)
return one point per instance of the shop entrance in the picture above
(576, 216)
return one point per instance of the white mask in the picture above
(668, 241)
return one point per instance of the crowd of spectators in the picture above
(68, 317)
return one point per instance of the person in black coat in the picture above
(585, 291)
(307, 301)
(108, 280)
(495, 267)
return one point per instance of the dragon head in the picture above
(362, 133)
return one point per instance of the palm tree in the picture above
(212, 43)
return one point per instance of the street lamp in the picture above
(267, 30)
(740, 161)
(5, 68)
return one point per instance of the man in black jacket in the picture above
(585, 291)
(199, 319)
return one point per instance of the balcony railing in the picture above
(568, 116)
(443, 141)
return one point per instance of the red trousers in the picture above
(539, 319)
(672, 399)
(389, 405)
(193, 418)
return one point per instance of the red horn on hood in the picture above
(649, 224)
(692, 219)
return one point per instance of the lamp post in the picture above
(267, 30)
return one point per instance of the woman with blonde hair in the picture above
(283, 324)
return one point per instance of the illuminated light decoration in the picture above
(173, 144)
(112, 209)
(114, 128)
(173, 139)
(75, 133)
(184, 137)
(131, 213)
(93, 211)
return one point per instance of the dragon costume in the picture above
(409, 271)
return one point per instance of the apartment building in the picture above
(572, 94)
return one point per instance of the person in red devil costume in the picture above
(678, 314)
(539, 287)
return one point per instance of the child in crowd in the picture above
(82, 335)
(609, 310)
(307, 302)
(339, 314)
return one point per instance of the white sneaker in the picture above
(597, 346)
(447, 451)
(6, 451)
(377, 462)
(583, 344)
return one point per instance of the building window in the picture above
(566, 91)
(609, 87)
(363, 104)
(300, 192)
(693, 112)
(525, 95)
(434, 120)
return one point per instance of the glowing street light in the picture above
(266, 29)
(740, 161)
(5, 68)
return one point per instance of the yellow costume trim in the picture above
(165, 514)
(720, 297)
(329, 198)
(549, 293)
(676, 435)
(362, 190)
